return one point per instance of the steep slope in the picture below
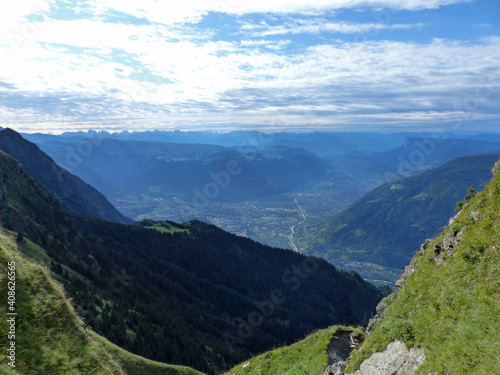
(251, 297)
(448, 306)
(387, 225)
(308, 356)
(46, 334)
(25, 206)
(185, 294)
(72, 194)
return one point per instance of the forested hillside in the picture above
(387, 226)
(47, 335)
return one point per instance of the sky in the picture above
(272, 65)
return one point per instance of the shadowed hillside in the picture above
(72, 194)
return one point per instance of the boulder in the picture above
(397, 359)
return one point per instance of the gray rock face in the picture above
(409, 270)
(475, 216)
(336, 369)
(380, 315)
(447, 246)
(451, 241)
(395, 360)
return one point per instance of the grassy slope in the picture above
(49, 337)
(451, 310)
(305, 357)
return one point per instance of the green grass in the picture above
(421, 196)
(397, 187)
(374, 200)
(49, 338)
(39, 255)
(164, 227)
(305, 357)
(452, 310)
(49, 335)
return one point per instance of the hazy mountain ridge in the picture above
(388, 224)
(72, 194)
(321, 143)
(416, 155)
(179, 168)
(275, 178)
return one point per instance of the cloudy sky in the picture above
(250, 64)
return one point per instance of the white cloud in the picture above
(89, 71)
(17, 13)
(217, 83)
(173, 11)
(315, 27)
(275, 45)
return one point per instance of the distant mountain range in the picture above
(413, 156)
(155, 179)
(320, 143)
(197, 174)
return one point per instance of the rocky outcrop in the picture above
(447, 246)
(496, 168)
(336, 369)
(409, 270)
(397, 359)
(380, 312)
